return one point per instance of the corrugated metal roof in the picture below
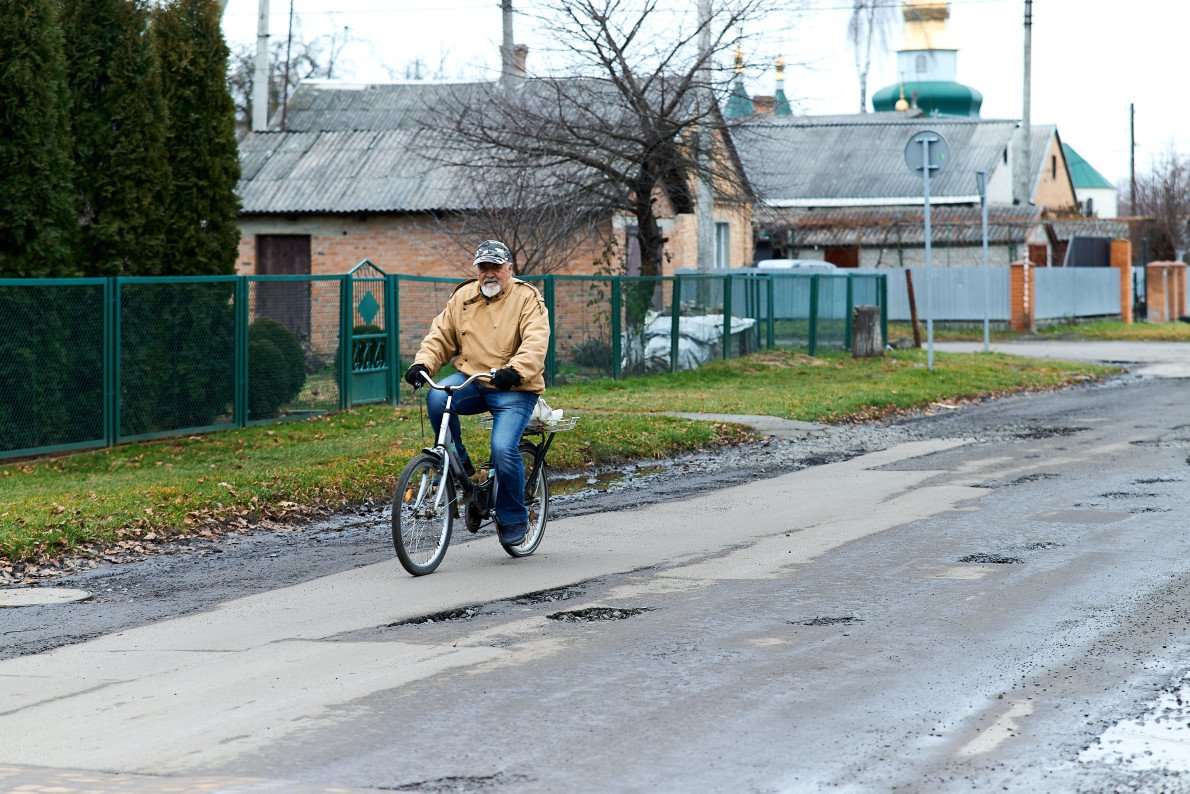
(863, 156)
(343, 172)
(892, 226)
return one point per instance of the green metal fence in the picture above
(96, 362)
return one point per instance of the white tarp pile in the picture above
(700, 339)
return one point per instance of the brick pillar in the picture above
(1021, 297)
(1180, 311)
(1121, 260)
(1165, 291)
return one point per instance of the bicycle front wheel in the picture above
(537, 500)
(423, 513)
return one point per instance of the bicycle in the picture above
(433, 486)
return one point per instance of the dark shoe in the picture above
(513, 534)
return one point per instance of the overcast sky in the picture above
(1090, 58)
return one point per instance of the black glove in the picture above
(414, 373)
(505, 379)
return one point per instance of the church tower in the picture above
(927, 65)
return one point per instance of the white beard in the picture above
(489, 290)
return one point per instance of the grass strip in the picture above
(95, 502)
(1098, 330)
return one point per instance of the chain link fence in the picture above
(96, 362)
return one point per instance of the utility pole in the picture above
(1132, 158)
(1024, 179)
(506, 68)
(260, 82)
(705, 208)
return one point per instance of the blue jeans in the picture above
(510, 414)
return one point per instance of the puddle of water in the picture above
(568, 484)
(40, 596)
(593, 614)
(1158, 739)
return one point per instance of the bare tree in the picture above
(615, 132)
(520, 208)
(868, 27)
(316, 58)
(1163, 204)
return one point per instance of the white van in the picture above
(797, 265)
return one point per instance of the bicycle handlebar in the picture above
(430, 381)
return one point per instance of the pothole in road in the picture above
(1047, 432)
(595, 614)
(549, 596)
(842, 620)
(1155, 480)
(1126, 495)
(825, 458)
(1034, 478)
(991, 559)
(1042, 545)
(466, 613)
(460, 784)
(1147, 510)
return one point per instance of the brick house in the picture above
(356, 175)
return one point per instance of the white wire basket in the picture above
(534, 426)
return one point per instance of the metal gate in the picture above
(370, 367)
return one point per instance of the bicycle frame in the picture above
(442, 447)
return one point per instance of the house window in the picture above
(722, 244)
(1054, 166)
(921, 64)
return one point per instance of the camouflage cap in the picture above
(493, 251)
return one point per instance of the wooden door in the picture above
(287, 302)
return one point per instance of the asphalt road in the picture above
(989, 597)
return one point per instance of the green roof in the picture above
(934, 97)
(1081, 172)
(739, 104)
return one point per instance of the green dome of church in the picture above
(933, 98)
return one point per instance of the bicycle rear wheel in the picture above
(423, 514)
(537, 500)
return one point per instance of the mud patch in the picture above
(550, 596)
(596, 614)
(462, 784)
(991, 559)
(844, 620)
(448, 616)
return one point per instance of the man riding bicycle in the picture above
(493, 321)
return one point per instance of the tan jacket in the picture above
(509, 330)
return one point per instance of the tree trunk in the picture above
(865, 332)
